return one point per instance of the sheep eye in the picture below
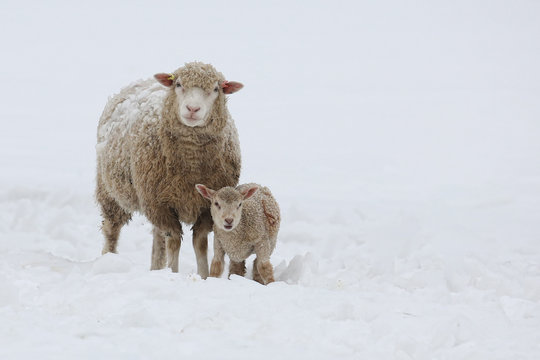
(239, 205)
(217, 205)
(178, 85)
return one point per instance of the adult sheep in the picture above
(156, 140)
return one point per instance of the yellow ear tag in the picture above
(171, 77)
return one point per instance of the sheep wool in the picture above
(259, 225)
(148, 161)
(254, 231)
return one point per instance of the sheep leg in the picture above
(216, 269)
(237, 268)
(173, 250)
(114, 217)
(201, 228)
(263, 272)
(158, 249)
(167, 238)
(165, 242)
(256, 274)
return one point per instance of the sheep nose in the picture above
(229, 221)
(193, 109)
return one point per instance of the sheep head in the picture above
(198, 88)
(226, 208)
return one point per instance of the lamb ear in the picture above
(165, 79)
(247, 193)
(204, 191)
(230, 87)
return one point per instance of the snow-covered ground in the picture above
(402, 140)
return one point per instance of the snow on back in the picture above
(141, 97)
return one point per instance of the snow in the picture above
(148, 95)
(401, 139)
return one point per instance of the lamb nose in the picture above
(229, 221)
(193, 109)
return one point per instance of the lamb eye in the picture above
(239, 205)
(217, 205)
(216, 89)
(178, 85)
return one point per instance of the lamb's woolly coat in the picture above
(258, 227)
(149, 161)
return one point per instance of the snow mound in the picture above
(300, 270)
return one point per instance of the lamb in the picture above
(155, 141)
(246, 221)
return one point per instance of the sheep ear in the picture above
(247, 193)
(165, 79)
(204, 191)
(230, 87)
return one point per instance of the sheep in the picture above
(246, 221)
(155, 141)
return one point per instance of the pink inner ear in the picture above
(249, 192)
(164, 79)
(230, 87)
(205, 192)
